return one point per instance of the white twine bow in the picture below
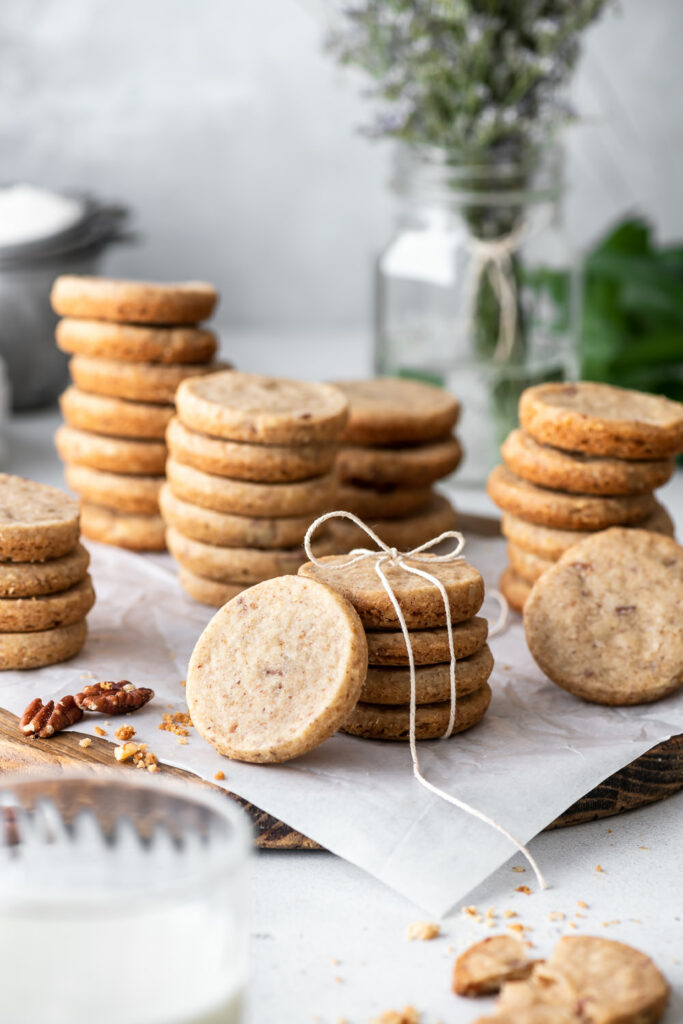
(389, 556)
(493, 257)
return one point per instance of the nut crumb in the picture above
(524, 888)
(219, 776)
(178, 723)
(99, 731)
(516, 927)
(138, 754)
(518, 869)
(125, 732)
(599, 868)
(582, 904)
(85, 742)
(509, 913)
(643, 847)
(573, 924)
(425, 931)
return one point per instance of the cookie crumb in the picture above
(524, 888)
(99, 731)
(408, 1015)
(556, 915)
(425, 931)
(582, 904)
(509, 913)
(85, 743)
(573, 924)
(643, 847)
(178, 723)
(516, 927)
(219, 776)
(125, 732)
(599, 868)
(518, 869)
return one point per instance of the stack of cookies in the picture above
(397, 443)
(587, 457)
(251, 465)
(45, 589)
(131, 344)
(383, 710)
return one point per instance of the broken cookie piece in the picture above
(485, 967)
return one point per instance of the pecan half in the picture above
(44, 720)
(113, 698)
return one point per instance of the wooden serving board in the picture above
(654, 776)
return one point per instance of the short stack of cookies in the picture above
(131, 344)
(45, 589)
(251, 465)
(397, 444)
(588, 457)
(383, 710)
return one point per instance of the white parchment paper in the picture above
(536, 752)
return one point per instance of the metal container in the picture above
(37, 369)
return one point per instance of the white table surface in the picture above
(328, 941)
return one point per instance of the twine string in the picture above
(390, 556)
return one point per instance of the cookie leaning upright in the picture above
(45, 590)
(587, 457)
(604, 622)
(131, 343)
(251, 466)
(397, 444)
(277, 670)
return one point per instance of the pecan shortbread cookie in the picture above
(514, 589)
(429, 646)
(34, 614)
(604, 622)
(30, 579)
(134, 302)
(137, 382)
(47, 647)
(117, 417)
(267, 410)
(134, 531)
(36, 522)
(393, 410)
(277, 670)
(435, 518)
(421, 602)
(565, 511)
(485, 967)
(579, 473)
(111, 454)
(134, 344)
(412, 466)
(527, 565)
(392, 721)
(551, 543)
(600, 419)
(387, 503)
(391, 685)
(211, 592)
(121, 491)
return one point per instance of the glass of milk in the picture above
(122, 901)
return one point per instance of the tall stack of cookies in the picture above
(397, 443)
(587, 456)
(383, 710)
(251, 465)
(131, 344)
(45, 589)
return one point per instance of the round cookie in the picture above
(211, 592)
(235, 565)
(245, 498)
(368, 503)
(31, 579)
(266, 410)
(550, 543)
(242, 461)
(36, 522)
(429, 646)
(117, 417)
(393, 410)
(527, 565)
(111, 454)
(432, 682)
(135, 344)
(514, 589)
(232, 531)
(434, 519)
(119, 491)
(600, 419)
(581, 474)
(132, 302)
(408, 467)
(277, 670)
(392, 722)
(136, 532)
(421, 602)
(565, 511)
(48, 647)
(604, 622)
(33, 614)
(138, 382)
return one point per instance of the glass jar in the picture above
(477, 291)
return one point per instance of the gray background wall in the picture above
(233, 136)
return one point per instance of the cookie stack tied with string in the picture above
(383, 709)
(587, 457)
(131, 344)
(251, 465)
(397, 444)
(45, 589)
